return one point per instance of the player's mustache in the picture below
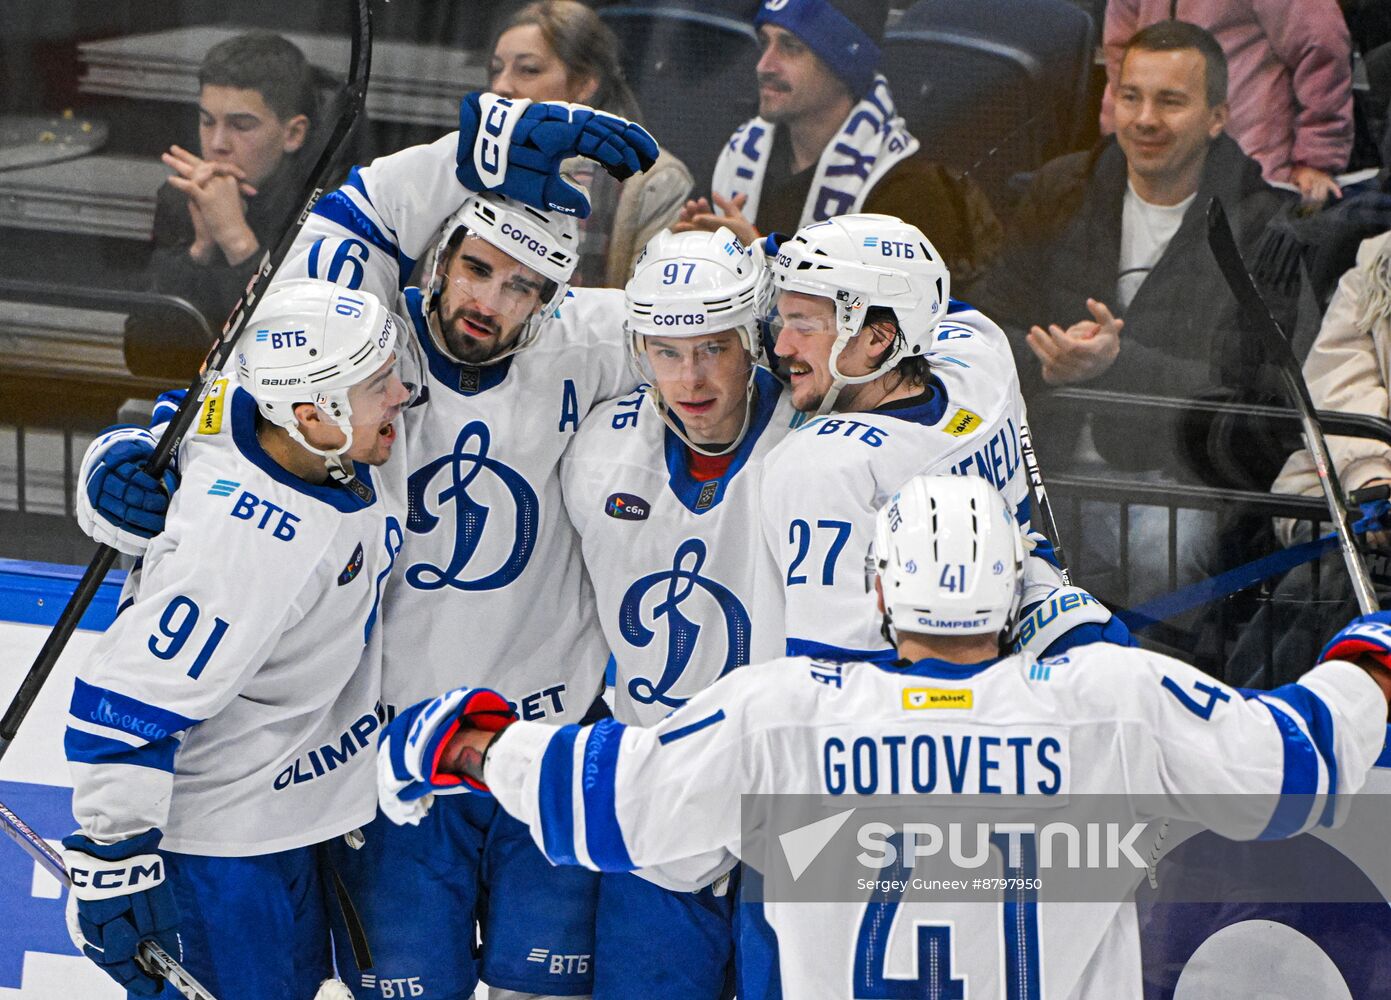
(773, 83)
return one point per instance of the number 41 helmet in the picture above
(949, 557)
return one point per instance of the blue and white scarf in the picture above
(873, 139)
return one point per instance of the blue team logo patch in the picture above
(223, 488)
(353, 568)
(627, 507)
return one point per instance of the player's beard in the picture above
(469, 349)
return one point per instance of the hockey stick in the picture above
(154, 959)
(218, 356)
(1041, 502)
(1255, 314)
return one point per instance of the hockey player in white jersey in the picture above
(1101, 719)
(514, 362)
(902, 380)
(221, 731)
(662, 487)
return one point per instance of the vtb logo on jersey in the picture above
(482, 529)
(683, 582)
(627, 507)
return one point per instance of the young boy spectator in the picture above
(256, 103)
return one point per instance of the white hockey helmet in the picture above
(861, 261)
(690, 285)
(310, 341)
(950, 558)
(546, 242)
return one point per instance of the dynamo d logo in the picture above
(627, 507)
(683, 582)
(472, 481)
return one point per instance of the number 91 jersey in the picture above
(686, 589)
(489, 589)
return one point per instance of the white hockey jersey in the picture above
(686, 589)
(490, 588)
(824, 484)
(1103, 719)
(234, 702)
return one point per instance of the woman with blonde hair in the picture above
(559, 50)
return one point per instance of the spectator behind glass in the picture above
(1348, 370)
(1107, 281)
(256, 101)
(559, 50)
(1291, 80)
(827, 141)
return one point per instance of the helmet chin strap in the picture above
(671, 421)
(333, 458)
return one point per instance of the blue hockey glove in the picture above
(410, 747)
(1365, 635)
(515, 147)
(119, 504)
(120, 898)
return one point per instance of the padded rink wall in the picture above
(1259, 954)
(37, 959)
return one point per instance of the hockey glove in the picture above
(120, 504)
(119, 898)
(410, 747)
(1366, 635)
(516, 147)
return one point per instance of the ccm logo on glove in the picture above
(143, 871)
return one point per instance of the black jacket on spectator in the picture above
(1180, 336)
(215, 287)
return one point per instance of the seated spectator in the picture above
(827, 141)
(1348, 369)
(1107, 281)
(559, 50)
(1291, 80)
(256, 102)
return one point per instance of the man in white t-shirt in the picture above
(1108, 283)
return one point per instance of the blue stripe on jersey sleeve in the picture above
(88, 748)
(1311, 708)
(838, 654)
(602, 834)
(694, 727)
(554, 797)
(338, 207)
(355, 182)
(1300, 783)
(124, 713)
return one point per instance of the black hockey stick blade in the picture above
(218, 355)
(1255, 315)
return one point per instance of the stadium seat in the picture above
(693, 73)
(992, 87)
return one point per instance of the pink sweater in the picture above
(1290, 70)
